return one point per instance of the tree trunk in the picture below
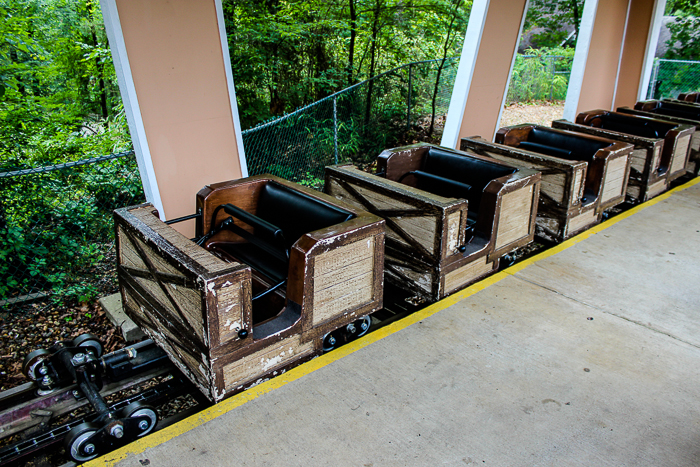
(353, 36)
(445, 48)
(372, 64)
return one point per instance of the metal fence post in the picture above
(652, 81)
(408, 107)
(335, 127)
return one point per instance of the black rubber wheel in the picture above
(90, 343)
(32, 361)
(329, 342)
(77, 443)
(363, 325)
(139, 409)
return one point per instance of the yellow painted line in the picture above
(294, 374)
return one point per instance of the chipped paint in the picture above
(211, 289)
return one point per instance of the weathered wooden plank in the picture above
(516, 212)
(615, 179)
(462, 276)
(268, 359)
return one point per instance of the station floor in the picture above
(587, 355)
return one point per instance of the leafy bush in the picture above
(541, 74)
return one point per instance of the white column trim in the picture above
(231, 88)
(652, 41)
(465, 73)
(578, 67)
(510, 72)
(622, 51)
(132, 110)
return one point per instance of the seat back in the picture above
(634, 125)
(296, 213)
(466, 170)
(677, 110)
(571, 147)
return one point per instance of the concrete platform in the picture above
(588, 355)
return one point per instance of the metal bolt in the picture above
(143, 425)
(331, 340)
(76, 393)
(117, 431)
(351, 328)
(89, 449)
(364, 325)
(43, 370)
(47, 381)
(78, 359)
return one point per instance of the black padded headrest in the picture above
(673, 111)
(464, 169)
(297, 213)
(634, 125)
(579, 147)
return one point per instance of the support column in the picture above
(174, 73)
(614, 54)
(481, 84)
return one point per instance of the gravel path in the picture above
(541, 113)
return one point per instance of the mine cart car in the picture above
(279, 274)
(681, 113)
(450, 215)
(660, 150)
(582, 175)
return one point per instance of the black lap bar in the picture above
(545, 149)
(268, 237)
(440, 185)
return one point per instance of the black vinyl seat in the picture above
(451, 175)
(283, 215)
(563, 145)
(634, 126)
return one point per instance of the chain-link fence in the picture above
(539, 78)
(399, 106)
(56, 228)
(672, 77)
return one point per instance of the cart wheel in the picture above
(329, 342)
(89, 342)
(32, 362)
(363, 325)
(139, 409)
(78, 445)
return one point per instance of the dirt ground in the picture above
(541, 113)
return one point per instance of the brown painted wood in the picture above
(650, 108)
(411, 262)
(193, 303)
(651, 159)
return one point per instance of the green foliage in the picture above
(58, 103)
(541, 74)
(685, 30)
(288, 54)
(551, 22)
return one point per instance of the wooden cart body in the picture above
(680, 113)
(196, 305)
(574, 193)
(660, 148)
(429, 251)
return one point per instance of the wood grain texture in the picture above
(343, 279)
(516, 212)
(247, 368)
(460, 278)
(615, 179)
(680, 154)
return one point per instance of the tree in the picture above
(551, 22)
(685, 30)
